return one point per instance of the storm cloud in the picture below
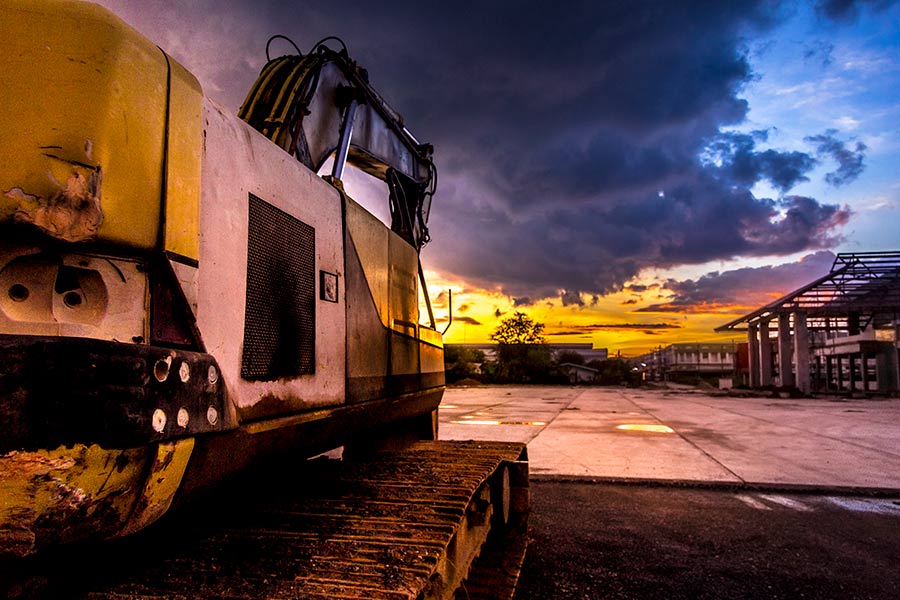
(576, 146)
(746, 287)
(850, 161)
(847, 10)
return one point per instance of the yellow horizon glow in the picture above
(477, 312)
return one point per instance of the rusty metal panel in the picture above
(367, 337)
(62, 391)
(403, 281)
(280, 323)
(370, 238)
(431, 360)
(68, 494)
(404, 364)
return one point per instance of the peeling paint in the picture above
(72, 214)
(49, 497)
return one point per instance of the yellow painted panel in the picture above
(89, 489)
(404, 279)
(166, 472)
(185, 144)
(431, 336)
(82, 115)
(370, 237)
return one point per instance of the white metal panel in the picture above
(238, 161)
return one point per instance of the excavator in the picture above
(188, 294)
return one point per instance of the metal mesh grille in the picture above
(279, 326)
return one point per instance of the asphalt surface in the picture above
(591, 541)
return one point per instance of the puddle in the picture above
(645, 427)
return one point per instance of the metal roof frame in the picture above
(860, 285)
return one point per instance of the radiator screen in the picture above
(280, 319)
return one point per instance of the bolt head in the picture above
(158, 421)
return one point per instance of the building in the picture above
(710, 360)
(579, 373)
(587, 351)
(838, 333)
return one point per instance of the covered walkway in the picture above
(838, 333)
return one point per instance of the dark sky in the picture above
(577, 142)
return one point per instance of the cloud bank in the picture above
(577, 146)
(746, 287)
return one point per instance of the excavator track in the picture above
(435, 520)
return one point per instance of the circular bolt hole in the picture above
(72, 299)
(159, 420)
(18, 292)
(183, 418)
(212, 374)
(161, 369)
(212, 415)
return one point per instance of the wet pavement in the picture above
(686, 435)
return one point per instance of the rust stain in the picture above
(48, 497)
(72, 214)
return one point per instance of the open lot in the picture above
(675, 493)
(603, 433)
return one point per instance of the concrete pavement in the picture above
(758, 441)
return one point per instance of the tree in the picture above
(569, 356)
(522, 352)
(460, 363)
(519, 329)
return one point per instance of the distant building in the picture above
(579, 373)
(689, 359)
(587, 351)
(839, 333)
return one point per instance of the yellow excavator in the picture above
(183, 296)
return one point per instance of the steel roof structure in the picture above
(862, 288)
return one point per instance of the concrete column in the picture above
(753, 353)
(829, 372)
(864, 371)
(765, 355)
(785, 358)
(818, 383)
(840, 372)
(801, 353)
(852, 360)
(886, 365)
